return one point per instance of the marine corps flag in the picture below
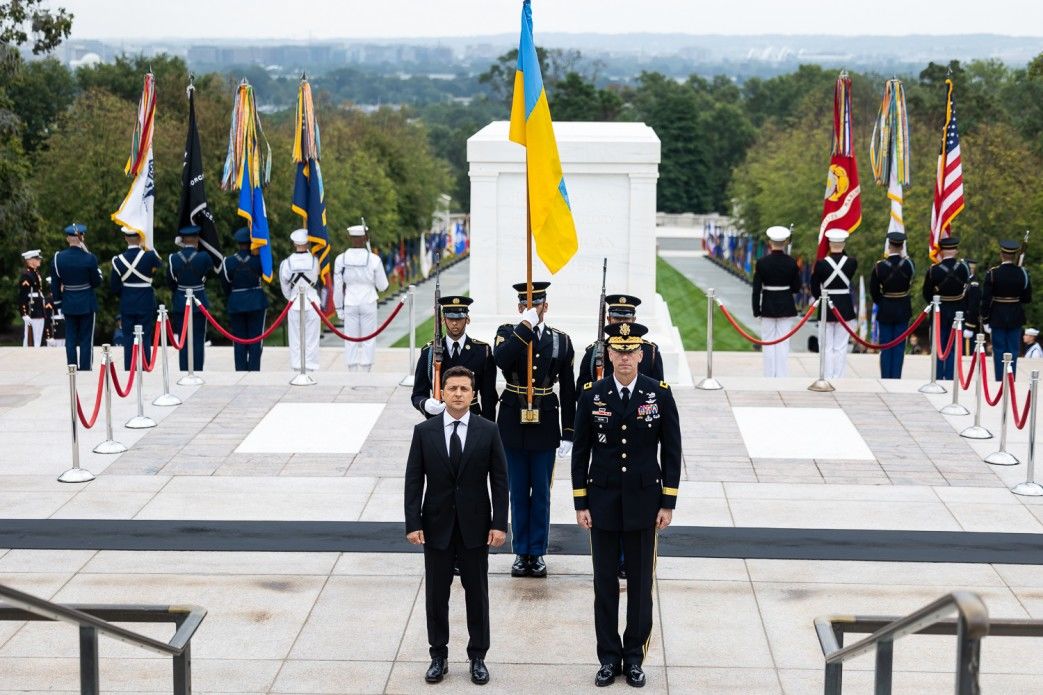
(193, 208)
(309, 200)
(136, 210)
(842, 206)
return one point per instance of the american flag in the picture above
(948, 185)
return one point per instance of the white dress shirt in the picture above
(462, 340)
(620, 387)
(447, 424)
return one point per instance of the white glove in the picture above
(987, 329)
(565, 449)
(532, 316)
(433, 407)
(26, 319)
(967, 333)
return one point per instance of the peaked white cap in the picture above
(778, 233)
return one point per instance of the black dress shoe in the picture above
(606, 675)
(437, 670)
(479, 673)
(520, 568)
(537, 567)
(635, 676)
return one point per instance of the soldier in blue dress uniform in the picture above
(74, 275)
(948, 278)
(621, 308)
(131, 281)
(530, 445)
(1004, 294)
(241, 276)
(187, 270)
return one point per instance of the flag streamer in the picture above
(309, 196)
(141, 141)
(889, 145)
(136, 211)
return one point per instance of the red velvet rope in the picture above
(965, 383)
(1019, 420)
(85, 421)
(371, 336)
(145, 364)
(246, 341)
(879, 346)
(133, 371)
(943, 354)
(985, 384)
(178, 343)
(756, 341)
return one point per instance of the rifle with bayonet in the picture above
(599, 345)
(1024, 249)
(438, 346)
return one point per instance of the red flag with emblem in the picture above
(842, 205)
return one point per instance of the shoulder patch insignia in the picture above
(663, 384)
(587, 386)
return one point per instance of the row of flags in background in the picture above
(889, 155)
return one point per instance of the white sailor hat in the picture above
(129, 232)
(299, 236)
(357, 230)
(1032, 331)
(29, 255)
(837, 235)
(778, 233)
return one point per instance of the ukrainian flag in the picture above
(550, 214)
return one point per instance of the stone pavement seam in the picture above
(304, 623)
(760, 620)
(402, 639)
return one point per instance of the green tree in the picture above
(22, 21)
(555, 65)
(40, 92)
(577, 99)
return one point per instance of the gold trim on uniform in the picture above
(672, 491)
(582, 492)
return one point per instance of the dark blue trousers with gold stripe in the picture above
(639, 552)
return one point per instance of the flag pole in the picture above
(528, 289)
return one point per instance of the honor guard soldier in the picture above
(54, 322)
(74, 275)
(241, 277)
(776, 278)
(530, 437)
(626, 470)
(832, 276)
(621, 308)
(1004, 294)
(889, 287)
(131, 281)
(31, 302)
(299, 272)
(187, 271)
(358, 278)
(459, 349)
(948, 279)
(1032, 348)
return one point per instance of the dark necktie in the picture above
(456, 349)
(624, 395)
(456, 449)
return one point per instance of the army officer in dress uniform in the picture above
(241, 276)
(530, 445)
(74, 275)
(621, 308)
(458, 349)
(626, 470)
(131, 281)
(187, 271)
(948, 278)
(31, 302)
(776, 278)
(1004, 294)
(889, 287)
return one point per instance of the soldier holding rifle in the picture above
(1005, 292)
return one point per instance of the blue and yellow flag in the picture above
(309, 199)
(550, 214)
(251, 207)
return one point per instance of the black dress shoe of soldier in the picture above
(520, 568)
(537, 567)
(437, 670)
(635, 676)
(606, 675)
(479, 673)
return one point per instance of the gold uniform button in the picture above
(624, 455)
(624, 469)
(624, 441)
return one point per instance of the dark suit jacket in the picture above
(437, 497)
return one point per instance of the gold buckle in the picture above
(530, 416)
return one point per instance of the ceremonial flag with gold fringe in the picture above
(137, 209)
(842, 204)
(309, 200)
(248, 169)
(550, 214)
(948, 181)
(889, 151)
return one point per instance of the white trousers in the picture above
(775, 355)
(311, 339)
(836, 349)
(360, 320)
(37, 325)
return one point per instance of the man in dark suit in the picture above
(241, 276)
(455, 462)
(889, 287)
(458, 348)
(131, 281)
(626, 470)
(74, 275)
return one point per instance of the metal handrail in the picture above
(95, 619)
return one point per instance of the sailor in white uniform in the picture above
(1032, 348)
(299, 272)
(358, 277)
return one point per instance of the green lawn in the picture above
(688, 312)
(424, 330)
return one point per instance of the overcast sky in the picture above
(323, 19)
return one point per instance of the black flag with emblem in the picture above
(193, 208)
